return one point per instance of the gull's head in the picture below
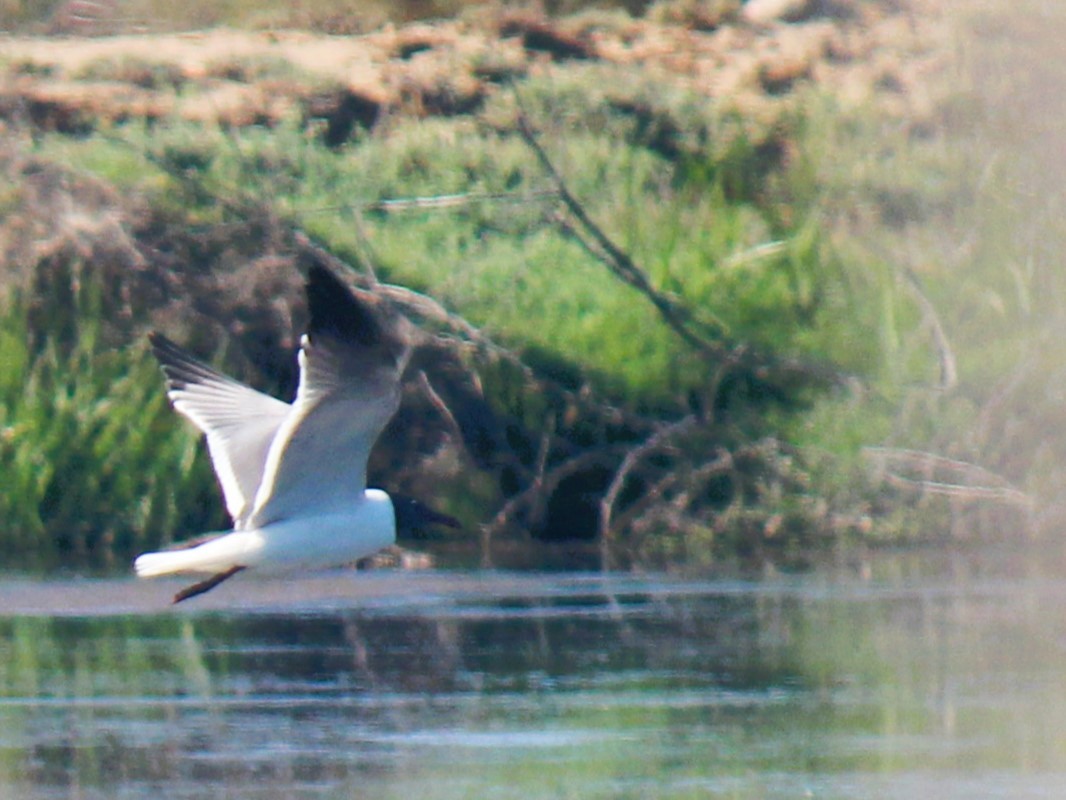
(413, 517)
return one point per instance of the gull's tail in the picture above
(221, 556)
(151, 565)
(218, 553)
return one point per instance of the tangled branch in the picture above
(934, 474)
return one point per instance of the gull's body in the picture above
(308, 542)
(294, 475)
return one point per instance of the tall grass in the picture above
(709, 231)
(725, 250)
(825, 236)
(94, 467)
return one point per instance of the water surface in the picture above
(882, 680)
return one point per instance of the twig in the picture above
(439, 405)
(429, 309)
(537, 507)
(682, 501)
(999, 494)
(1000, 394)
(632, 458)
(452, 200)
(949, 373)
(550, 480)
(990, 487)
(679, 318)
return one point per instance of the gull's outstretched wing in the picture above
(351, 361)
(238, 421)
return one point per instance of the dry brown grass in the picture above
(450, 67)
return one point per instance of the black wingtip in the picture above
(336, 311)
(168, 354)
(158, 341)
(165, 350)
(179, 367)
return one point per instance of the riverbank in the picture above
(708, 289)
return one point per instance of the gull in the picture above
(293, 475)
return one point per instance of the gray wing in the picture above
(238, 422)
(351, 361)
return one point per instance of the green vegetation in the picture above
(85, 429)
(854, 279)
(506, 267)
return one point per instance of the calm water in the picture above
(904, 678)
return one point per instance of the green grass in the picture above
(502, 264)
(94, 467)
(797, 238)
(710, 235)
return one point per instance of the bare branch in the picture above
(550, 481)
(698, 334)
(632, 458)
(425, 307)
(540, 498)
(439, 405)
(616, 259)
(691, 481)
(944, 476)
(949, 373)
(453, 200)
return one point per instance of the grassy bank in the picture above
(836, 276)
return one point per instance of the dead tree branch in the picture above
(452, 200)
(702, 335)
(629, 463)
(949, 373)
(426, 308)
(723, 461)
(939, 475)
(439, 405)
(616, 259)
(549, 481)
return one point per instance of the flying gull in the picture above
(294, 475)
